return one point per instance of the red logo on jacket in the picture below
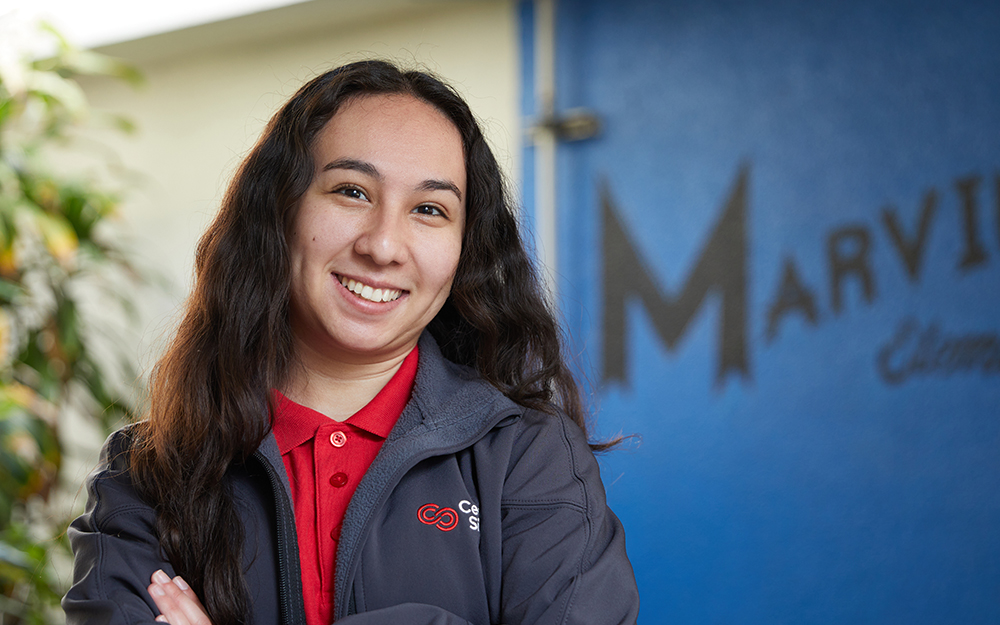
(432, 514)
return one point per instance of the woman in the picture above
(365, 415)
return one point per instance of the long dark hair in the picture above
(210, 392)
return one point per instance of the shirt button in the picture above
(338, 479)
(338, 439)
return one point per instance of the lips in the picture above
(367, 292)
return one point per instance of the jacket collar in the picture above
(449, 399)
(451, 406)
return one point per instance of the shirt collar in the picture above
(295, 424)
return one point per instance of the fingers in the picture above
(176, 601)
(180, 583)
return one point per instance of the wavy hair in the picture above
(210, 392)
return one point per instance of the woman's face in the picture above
(376, 238)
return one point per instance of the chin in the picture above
(370, 346)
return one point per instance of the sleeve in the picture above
(115, 548)
(564, 558)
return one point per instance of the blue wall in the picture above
(781, 258)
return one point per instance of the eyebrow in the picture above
(440, 185)
(353, 164)
(370, 170)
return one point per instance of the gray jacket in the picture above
(476, 510)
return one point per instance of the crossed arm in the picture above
(176, 601)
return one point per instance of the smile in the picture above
(366, 292)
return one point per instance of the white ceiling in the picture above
(93, 23)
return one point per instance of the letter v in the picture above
(911, 251)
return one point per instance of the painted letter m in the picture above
(720, 269)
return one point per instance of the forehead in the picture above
(392, 128)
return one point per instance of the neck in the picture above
(339, 389)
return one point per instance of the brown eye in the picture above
(427, 209)
(352, 192)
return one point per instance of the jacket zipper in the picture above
(285, 564)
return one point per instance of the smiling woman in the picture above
(375, 242)
(365, 415)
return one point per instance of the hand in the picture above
(177, 602)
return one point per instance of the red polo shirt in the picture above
(325, 460)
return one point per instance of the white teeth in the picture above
(369, 293)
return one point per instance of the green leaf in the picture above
(96, 64)
(10, 291)
(29, 452)
(15, 558)
(58, 91)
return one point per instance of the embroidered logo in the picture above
(432, 514)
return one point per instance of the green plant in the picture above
(59, 263)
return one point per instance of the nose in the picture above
(384, 237)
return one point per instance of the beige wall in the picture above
(202, 108)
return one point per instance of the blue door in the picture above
(780, 258)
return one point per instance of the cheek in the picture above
(297, 284)
(453, 259)
(294, 264)
(442, 265)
